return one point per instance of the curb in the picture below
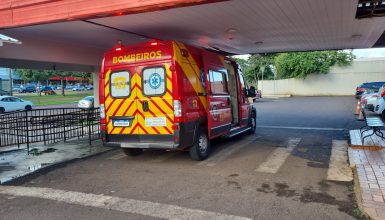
(47, 168)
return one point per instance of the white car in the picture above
(369, 101)
(86, 102)
(380, 107)
(11, 103)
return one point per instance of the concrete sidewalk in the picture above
(370, 176)
(18, 163)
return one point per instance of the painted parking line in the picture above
(339, 169)
(117, 156)
(225, 153)
(278, 157)
(153, 209)
(301, 128)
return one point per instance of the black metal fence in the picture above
(48, 126)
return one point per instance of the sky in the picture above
(360, 53)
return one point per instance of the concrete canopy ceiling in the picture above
(237, 27)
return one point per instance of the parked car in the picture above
(89, 87)
(3, 92)
(28, 89)
(11, 103)
(16, 89)
(86, 102)
(380, 107)
(79, 88)
(369, 100)
(373, 86)
(46, 89)
(69, 87)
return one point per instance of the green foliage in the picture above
(301, 64)
(258, 67)
(29, 75)
(292, 65)
(41, 76)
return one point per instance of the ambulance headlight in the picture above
(177, 108)
(102, 111)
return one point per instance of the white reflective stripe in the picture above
(339, 169)
(301, 128)
(225, 153)
(278, 157)
(152, 209)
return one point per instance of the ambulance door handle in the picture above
(145, 105)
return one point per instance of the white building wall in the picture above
(339, 81)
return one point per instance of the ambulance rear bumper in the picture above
(143, 141)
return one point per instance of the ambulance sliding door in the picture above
(218, 97)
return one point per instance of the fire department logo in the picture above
(155, 81)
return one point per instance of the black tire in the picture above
(28, 107)
(2, 110)
(132, 151)
(201, 148)
(383, 115)
(252, 124)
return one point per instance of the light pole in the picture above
(10, 81)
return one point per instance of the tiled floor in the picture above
(370, 167)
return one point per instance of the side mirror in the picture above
(251, 92)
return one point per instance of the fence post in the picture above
(27, 130)
(44, 132)
(17, 134)
(64, 126)
(89, 126)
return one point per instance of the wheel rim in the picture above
(202, 143)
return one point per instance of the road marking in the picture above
(278, 157)
(301, 128)
(117, 156)
(225, 153)
(339, 169)
(146, 208)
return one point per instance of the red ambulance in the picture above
(169, 95)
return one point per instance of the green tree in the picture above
(42, 76)
(38, 76)
(301, 64)
(257, 67)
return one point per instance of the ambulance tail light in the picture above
(177, 110)
(102, 112)
(102, 118)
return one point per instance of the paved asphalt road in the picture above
(278, 173)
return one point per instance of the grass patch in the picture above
(70, 97)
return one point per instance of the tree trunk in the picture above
(62, 86)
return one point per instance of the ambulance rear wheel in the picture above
(132, 151)
(201, 148)
(253, 124)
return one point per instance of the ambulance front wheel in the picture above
(253, 124)
(201, 148)
(132, 151)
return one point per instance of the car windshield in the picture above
(89, 98)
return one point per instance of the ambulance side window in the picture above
(218, 82)
(154, 83)
(241, 79)
(120, 84)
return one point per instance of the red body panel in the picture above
(191, 77)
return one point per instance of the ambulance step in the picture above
(237, 131)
